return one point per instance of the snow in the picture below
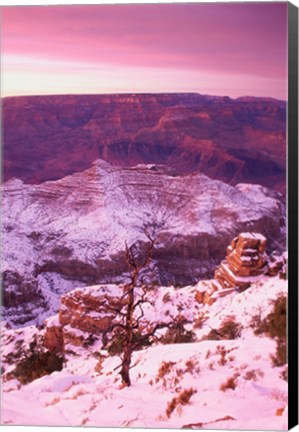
(255, 300)
(247, 258)
(222, 292)
(253, 236)
(57, 382)
(99, 400)
(97, 291)
(75, 331)
(94, 213)
(249, 279)
(52, 321)
(82, 394)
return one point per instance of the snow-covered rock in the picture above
(72, 232)
(245, 262)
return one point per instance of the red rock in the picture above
(53, 338)
(83, 313)
(246, 260)
(241, 140)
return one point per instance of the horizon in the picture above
(144, 94)
(224, 49)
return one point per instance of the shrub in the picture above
(199, 321)
(253, 374)
(212, 335)
(54, 401)
(280, 356)
(230, 383)
(182, 399)
(185, 395)
(257, 324)
(276, 320)
(229, 329)
(211, 366)
(178, 334)
(171, 406)
(274, 326)
(190, 366)
(284, 374)
(208, 353)
(116, 345)
(164, 369)
(279, 395)
(166, 298)
(222, 351)
(37, 364)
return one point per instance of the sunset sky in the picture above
(233, 49)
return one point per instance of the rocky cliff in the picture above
(73, 231)
(241, 140)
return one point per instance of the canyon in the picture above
(74, 231)
(193, 186)
(234, 140)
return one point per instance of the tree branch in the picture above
(145, 337)
(109, 330)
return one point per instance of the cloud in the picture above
(230, 39)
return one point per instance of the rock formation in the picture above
(73, 231)
(53, 336)
(245, 261)
(233, 140)
(84, 314)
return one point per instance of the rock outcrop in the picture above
(233, 140)
(245, 261)
(53, 336)
(84, 314)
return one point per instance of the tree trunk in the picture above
(128, 349)
(125, 369)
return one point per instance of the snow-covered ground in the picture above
(88, 390)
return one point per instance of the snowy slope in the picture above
(84, 393)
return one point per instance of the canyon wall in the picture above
(241, 140)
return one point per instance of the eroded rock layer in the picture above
(241, 140)
(84, 314)
(245, 261)
(73, 232)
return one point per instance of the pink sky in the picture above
(232, 49)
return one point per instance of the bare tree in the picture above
(129, 312)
